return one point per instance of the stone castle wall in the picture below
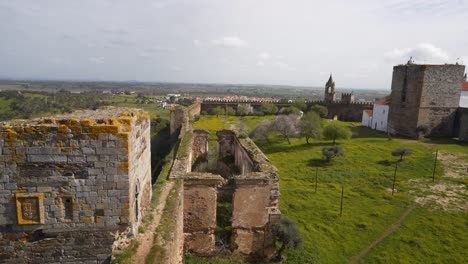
(425, 95)
(70, 182)
(345, 111)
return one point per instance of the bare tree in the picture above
(262, 130)
(287, 125)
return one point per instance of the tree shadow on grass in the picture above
(273, 148)
(386, 162)
(320, 163)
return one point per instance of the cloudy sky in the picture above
(293, 42)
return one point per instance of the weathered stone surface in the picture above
(69, 182)
(250, 206)
(200, 243)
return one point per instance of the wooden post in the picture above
(394, 177)
(316, 176)
(435, 165)
(341, 206)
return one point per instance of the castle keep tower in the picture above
(69, 183)
(425, 96)
(330, 90)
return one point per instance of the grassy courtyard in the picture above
(435, 231)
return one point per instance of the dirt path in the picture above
(146, 239)
(385, 234)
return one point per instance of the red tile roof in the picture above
(369, 112)
(465, 86)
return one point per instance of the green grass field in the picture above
(432, 233)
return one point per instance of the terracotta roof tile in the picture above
(369, 112)
(465, 86)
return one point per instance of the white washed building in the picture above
(464, 96)
(378, 117)
(367, 118)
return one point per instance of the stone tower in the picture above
(330, 90)
(347, 98)
(71, 182)
(425, 96)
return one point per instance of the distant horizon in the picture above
(185, 83)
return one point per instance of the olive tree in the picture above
(401, 152)
(329, 152)
(286, 233)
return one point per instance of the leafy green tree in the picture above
(300, 104)
(218, 111)
(268, 108)
(401, 152)
(230, 111)
(291, 110)
(287, 233)
(310, 126)
(335, 130)
(329, 152)
(320, 109)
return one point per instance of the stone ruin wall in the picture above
(425, 95)
(180, 116)
(251, 221)
(70, 183)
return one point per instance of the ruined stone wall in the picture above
(425, 95)
(139, 169)
(194, 109)
(200, 196)
(179, 118)
(229, 145)
(255, 207)
(65, 184)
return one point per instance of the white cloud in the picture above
(422, 53)
(282, 65)
(230, 42)
(96, 60)
(264, 55)
(260, 63)
(176, 68)
(197, 43)
(158, 48)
